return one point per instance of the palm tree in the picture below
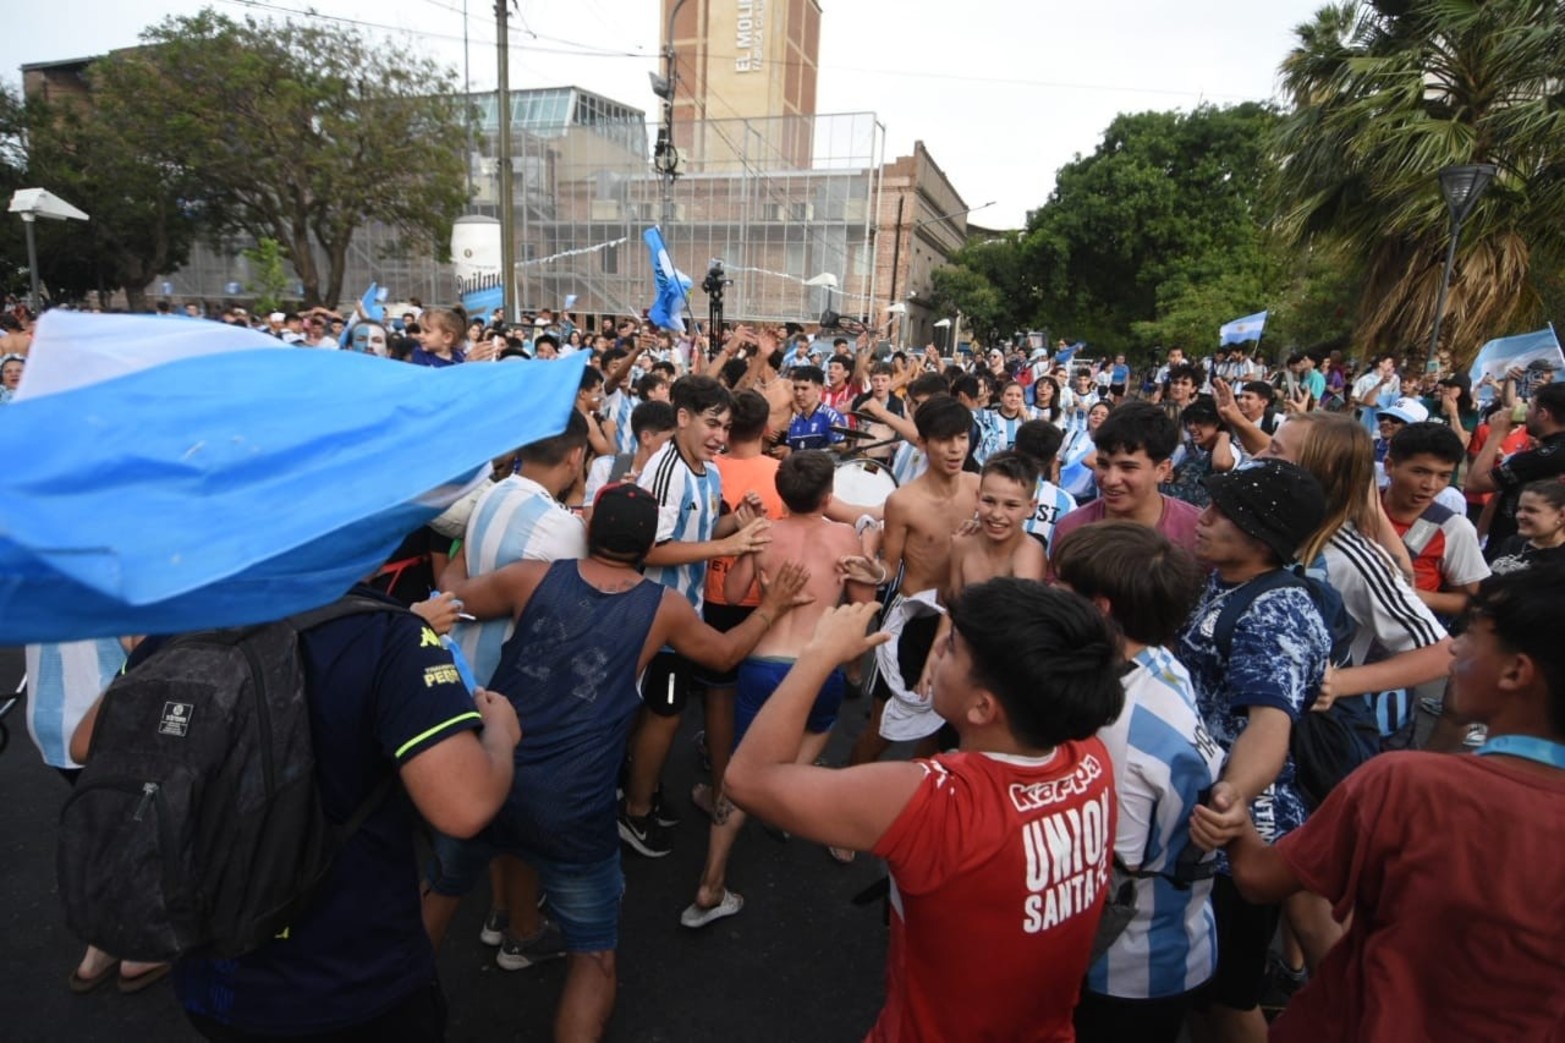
(1387, 92)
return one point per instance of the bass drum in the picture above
(864, 483)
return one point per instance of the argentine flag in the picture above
(1241, 330)
(1066, 354)
(1498, 356)
(673, 285)
(166, 477)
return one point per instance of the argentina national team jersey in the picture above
(516, 520)
(617, 406)
(1164, 760)
(1002, 430)
(1054, 503)
(908, 463)
(688, 509)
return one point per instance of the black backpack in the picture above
(197, 823)
(1328, 745)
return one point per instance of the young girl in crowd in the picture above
(1540, 529)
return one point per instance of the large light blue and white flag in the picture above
(1518, 352)
(163, 477)
(1245, 329)
(1066, 354)
(673, 285)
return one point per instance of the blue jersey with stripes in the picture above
(1164, 761)
(63, 681)
(516, 520)
(1002, 430)
(909, 462)
(618, 405)
(689, 503)
(1054, 503)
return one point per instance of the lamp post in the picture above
(30, 204)
(1461, 186)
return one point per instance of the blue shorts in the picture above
(583, 898)
(759, 678)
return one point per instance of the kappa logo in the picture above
(1042, 794)
(176, 719)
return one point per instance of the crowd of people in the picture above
(1193, 748)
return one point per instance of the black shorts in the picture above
(665, 687)
(722, 618)
(1117, 390)
(913, 647)
(1244, 935)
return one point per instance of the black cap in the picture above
(1278, 503)
(624, 520)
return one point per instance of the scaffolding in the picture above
(585, 193)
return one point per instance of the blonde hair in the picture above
(447, 321)
(1338, 451)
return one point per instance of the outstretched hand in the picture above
(840, 633)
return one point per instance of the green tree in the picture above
(271, 275)
(140, 215)
(297, 132)
(1385, 94)
(958, 288)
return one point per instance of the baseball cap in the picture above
(1279, 503)
(624, 520)
(1407, 410)
(276, 316)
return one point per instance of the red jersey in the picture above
(1451, 869)
(842, 399)
(999, 868)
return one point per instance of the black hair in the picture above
(652, 416)
(1551, 490)
(967, 384)
(648, 384)
(613, 355)
(804, 480)
(1202, 411)
(551, 452)
(841, 342)
(1138, 425)
(1049, 656)
(590, 378)
(808, 374)
(845, 361)
(776, 359)
(1041, 441)
(548, 338)
(1185, 371)
(1260, 389)
(953, 373)
(942, 418)
(733, 372)
(1151, 583)
(697, 395)
(1054, 409)
(1551, 397)
(928, 384)
(666, 368)
(1519, 606)
(1018, 467)
(748, 416)
(1429, 437)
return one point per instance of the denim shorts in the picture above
(582, 897)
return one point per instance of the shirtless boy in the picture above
(920, 519)
(1001, 546)
(806, 537)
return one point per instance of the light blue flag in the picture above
(478, 303)
(239, 486)
(673, 285)
(1066, 354)
(1241, 330)
(1498, 356)
(371, 306)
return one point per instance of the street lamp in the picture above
(31, 204)
(1461, 186)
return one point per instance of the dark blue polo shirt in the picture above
(382, 690)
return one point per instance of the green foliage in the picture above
(1385, 95)
(270, 273)
(140, 221)
(959, 288)
(300, 133)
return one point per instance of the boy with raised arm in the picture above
(805, 536)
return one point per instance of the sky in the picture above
(1002, 95)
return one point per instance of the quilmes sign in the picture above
(475, 261)
(749, 36)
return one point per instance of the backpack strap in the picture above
(1237, 603)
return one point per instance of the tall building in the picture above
(745, 60)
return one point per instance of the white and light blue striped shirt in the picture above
(63, 681)
(1003, 430)
(515, 520)
(618, 406)
(1164, 760)
(908, 463)
(688, 508)
(1054, 503)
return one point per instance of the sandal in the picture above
(136, 983)
(81, 986)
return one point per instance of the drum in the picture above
(864, 483)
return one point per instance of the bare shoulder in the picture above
(1029, 561)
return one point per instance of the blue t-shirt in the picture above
(1277, 660)
(382, 690)
(815, 431)
(1120, 374)
(420, 357)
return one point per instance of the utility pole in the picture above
(503, 162)
(665, 157)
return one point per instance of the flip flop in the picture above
(841, 855)
(695, 916)
(81, 986)
(144, 979)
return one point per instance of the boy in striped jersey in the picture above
(1164, 762)
(692, 529)
(1041, 441)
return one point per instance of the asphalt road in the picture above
(799, 963)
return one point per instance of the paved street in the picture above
(799, 963)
